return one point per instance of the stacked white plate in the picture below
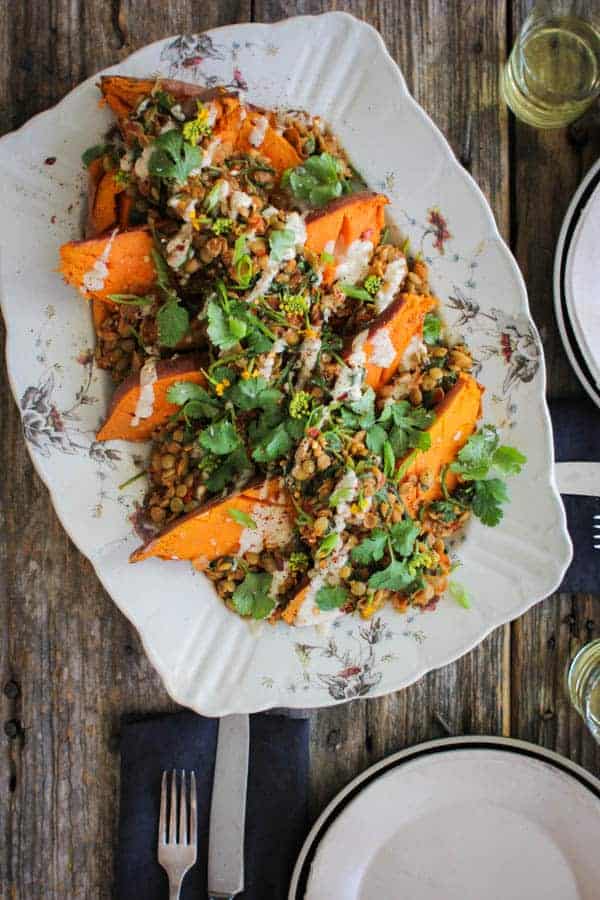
(577, 283)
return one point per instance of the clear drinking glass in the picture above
(553, 72)
(583, 683)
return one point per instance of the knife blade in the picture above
(580, 478)
(228, 809)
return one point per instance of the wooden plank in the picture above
(71, 661)
(547, 166)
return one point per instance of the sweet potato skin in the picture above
(343, 221)
(209, 531)
(403, 319)
(129, 263)
(455, 421)
(118, 423)
(123, 94)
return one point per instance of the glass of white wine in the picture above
(583, 684)
(553, 73)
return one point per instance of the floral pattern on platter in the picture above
(471, 270)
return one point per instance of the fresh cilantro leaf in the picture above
(395, 577)
(163, 273)
(220, 438)
(241, 517)
(475, 459)
(173, 157)
(459, 593)
(508, 460)
(371, 549)
(273, 446)
(182, 391)
(88, 156)
(351, 290)
(403, 535)
(342, 495)
(196, 409)
(225, 331)
(365, 408)
(389, 460)
(409, 424)
(173, 322)
(254, 393)
(327, 545)
(282, 243)
(235, 463)
(488, 499)
(331, 597)
(376, 438)
(432, 329)
(317, 180)
(251, 597)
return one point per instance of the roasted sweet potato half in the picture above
(391, 334)
(343, 221)
(115, 263)
(209, 531)
(455, 421)
(119, 424)
(123, 94)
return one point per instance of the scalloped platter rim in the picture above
(208, 658)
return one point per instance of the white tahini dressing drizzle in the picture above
(394, 275)
(350, 380)
(273, 529)
(309, 613)
(211, 109)
(141, 164)
(279, 577)
(207, 155)
(95, 278)
(415, 353)
(383, 352)
(295, 223)
(239, 203)
(145, 402)
(353, 264)
(257, 135)
(177, 112)
(309, 351)
(179, 245)
(266, 369)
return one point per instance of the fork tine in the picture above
(162, 821)
(173, 815)
(183, 831)
(193, 813)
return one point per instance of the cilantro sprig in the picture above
(173, 158)
(252, 598)
(172, 318)
(317, 180)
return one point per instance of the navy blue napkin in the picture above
(577, 439)
(277, 804)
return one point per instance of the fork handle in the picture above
(174, 889)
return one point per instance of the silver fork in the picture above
(596, 532)
(177, 852)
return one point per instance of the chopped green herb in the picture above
(371, 549)
(282, 243)
(131, 299)
(327, 545)
(351, 290)
(241, 517)
(220, 438)
(432, 329)
(173, 158)
(331, 597)
(317, 180)
(252, 598)
(459, 593)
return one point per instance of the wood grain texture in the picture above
(70, 662)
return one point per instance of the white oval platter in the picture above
(209, 659)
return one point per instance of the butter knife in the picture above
(228, 809)
(581, 478)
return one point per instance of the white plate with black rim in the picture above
(458, 819)
(580, 354)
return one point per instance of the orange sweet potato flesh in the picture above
(103, 212)
(118, 424)
(455, 421)
(292, 609)
(129, 263)
(209, 531)
(343, 221)
(274, 146)
(403, 321)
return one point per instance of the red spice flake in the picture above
(53, 219)
(50, 160)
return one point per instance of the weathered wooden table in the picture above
(70, 663)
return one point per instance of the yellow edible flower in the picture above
(222, 386)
